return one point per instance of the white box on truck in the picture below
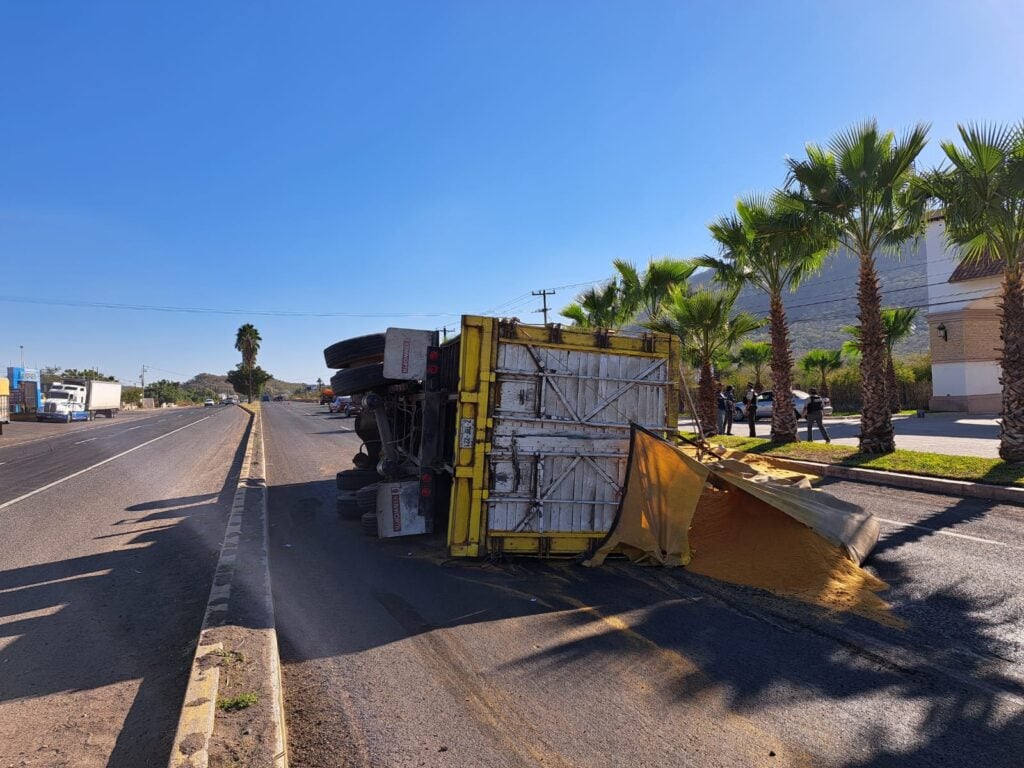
(103, 397)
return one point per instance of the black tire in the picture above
(353, 381)
(369, 523)
(366, 497)
(353, 352)
(348, 509)
(354, 479)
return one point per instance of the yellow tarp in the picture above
(663, 486)
(732, 524)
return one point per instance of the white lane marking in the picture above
(949, 533)
(2, 463)
(48, 486)
(131, 428)
(85, 441)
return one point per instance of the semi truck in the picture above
(514, 438)
(81, 400)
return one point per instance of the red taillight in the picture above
(434, 354)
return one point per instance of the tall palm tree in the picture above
(822, 362)
(598, 307)
(863, 184)
(704, 322)
(982, 190)
(642, 293)
(755, 354)
(897, 325)
(772, 244)
(247, 341)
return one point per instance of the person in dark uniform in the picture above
(814, 414)
(750, 407)
(730, 408)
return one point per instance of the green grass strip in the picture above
(973, 468)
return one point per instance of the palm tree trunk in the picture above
(876, 419)
(891, 385)
(250, 383)
(707, 407)
(1011, 436)
(783, 416)
(824, 383)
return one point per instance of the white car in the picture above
(208, 402)
(764, 405)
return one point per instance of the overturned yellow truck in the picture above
(549, 440)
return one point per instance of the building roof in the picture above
(986, 266)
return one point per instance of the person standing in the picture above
(730, 408)
(814, 414)
(750, 406)
(722, 405)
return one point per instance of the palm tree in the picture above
(822, 361)
(755, 355)
(643, 293)
(863, 184)
(598, 307)
(773, 244)
(247, 341)
(897, 325)
(705, 325)
(983, 193)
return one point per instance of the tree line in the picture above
(861, 191)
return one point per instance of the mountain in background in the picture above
(219, 384)
(827, 302)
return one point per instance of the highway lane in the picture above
(394, 655)
(103, 583)
(31, 465)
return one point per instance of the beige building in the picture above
(963, 328)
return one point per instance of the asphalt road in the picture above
(109, 541)
(394, 655)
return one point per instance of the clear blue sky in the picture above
(408, 158)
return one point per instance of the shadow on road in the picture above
(131, 614)
(338, 592)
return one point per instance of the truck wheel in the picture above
(369, 523)
(352, 381)
(366, 497)
(347, 506)
(356, 351)
(354, 479)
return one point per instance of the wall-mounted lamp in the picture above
(941, 330)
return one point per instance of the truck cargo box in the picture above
(540, 431)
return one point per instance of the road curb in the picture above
(961, 488)
(197, 720)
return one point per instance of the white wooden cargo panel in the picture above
(560, 435)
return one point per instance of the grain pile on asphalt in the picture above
(739, 539)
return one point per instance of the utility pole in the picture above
(22, 348)
(544, 296)
(142, 378)
(444, 333)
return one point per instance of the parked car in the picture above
(208, 402)
(764, 405)
(343, 404)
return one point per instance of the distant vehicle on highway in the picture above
(265, 399)
(343, 404)
(764, 405)
(208, 402)
(279, 398)
(80, 400)
(326, 396)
